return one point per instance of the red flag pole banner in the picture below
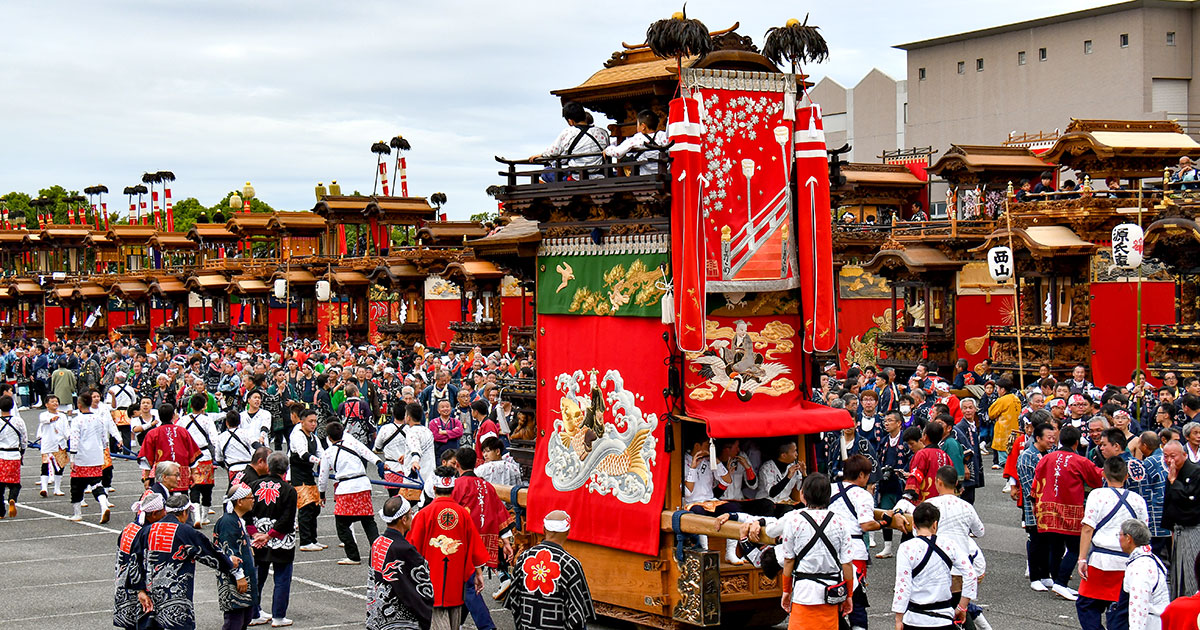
(383, 177)
(170, 209)
(816, 231)
(103, 209)
(599, 314)
(687, 240)
(403, 177)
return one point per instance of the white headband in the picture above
(443, 482)
(488, 435)
(240, 491)
(405, 508)
(184, 508)
(152, 502)
(555, 525)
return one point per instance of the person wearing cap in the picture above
(162, 570)
(238, 598)
(126, 609)
(549, 589)
(445, 535)
(399, 591)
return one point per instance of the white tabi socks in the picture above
(77, 515)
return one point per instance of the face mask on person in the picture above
(905, 409)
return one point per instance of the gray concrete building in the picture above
(868, 116)
(1132, 60)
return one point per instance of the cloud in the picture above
(286, 94)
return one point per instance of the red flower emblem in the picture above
(267, 492)
(541, 572)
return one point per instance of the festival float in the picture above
(678, 300)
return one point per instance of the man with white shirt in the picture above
(1145, 589)
(647, 124)
(234, 447)
(1101, 563)
(817, 554)
(53, 430)
(198, 424)
(90, 433)
(13, 442)
(255, 419)
(420, 458)
(779, 478)
(924, 566)
(958, 521)
(391, 442)
(850, 500)
(347, 460)
(580, 137)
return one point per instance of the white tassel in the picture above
(700, 111)
(789, 100)
(668, 306)
(712, 454)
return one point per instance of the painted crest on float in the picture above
(602, 440)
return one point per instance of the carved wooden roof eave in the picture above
(1174, 241)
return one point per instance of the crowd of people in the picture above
(1104, 479)
(291, 430)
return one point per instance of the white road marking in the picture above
(67, 518)
(76, 535)
(60, 615)
(53, 585)
(61, 559)
(331, 589)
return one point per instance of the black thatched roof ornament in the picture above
(140, 190)
(150, 178)
(795, 42)
(101, 189)
(129, 190)
(438, 199)
(381, 148)
(165, 176)
(679, 37)
(400, 144)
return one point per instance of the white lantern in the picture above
(1000, 263)
(748, 168)
(1127, 243)
(322, 290)
(280, 288)
(781, 134)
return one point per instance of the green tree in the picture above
(484, 217)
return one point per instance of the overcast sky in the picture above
(286, 94)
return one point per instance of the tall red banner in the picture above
(687, 239)
(817, 283)
(603, 417)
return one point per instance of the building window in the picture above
(1021, 58)
(1041, 54)
(1087, 46)
(906, 113)
(979, 65)
(962, 67)
(921, 74)
(1170, 38)
(1124, 40)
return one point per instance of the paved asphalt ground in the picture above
(58, 574)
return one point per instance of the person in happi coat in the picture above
(550, 591)
(90, 433)
(13, 442)
(127, 610)
(919, 484)
(491, 518)
(1145, 589)
(238, 598)
(399, 593)
(273, 532)
(447, 538)
(347, 460)
(1102, 561)
(1058, 494)
(498, 467)
(1181, 516)
(200, 426)
(306, 452)
(163, 569)
(234, 446)
(170, 442)
(53, 430)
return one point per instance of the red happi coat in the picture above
(447, 538)
(923, 470)
(1058, 491)
(487, 511)
(169, 442)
